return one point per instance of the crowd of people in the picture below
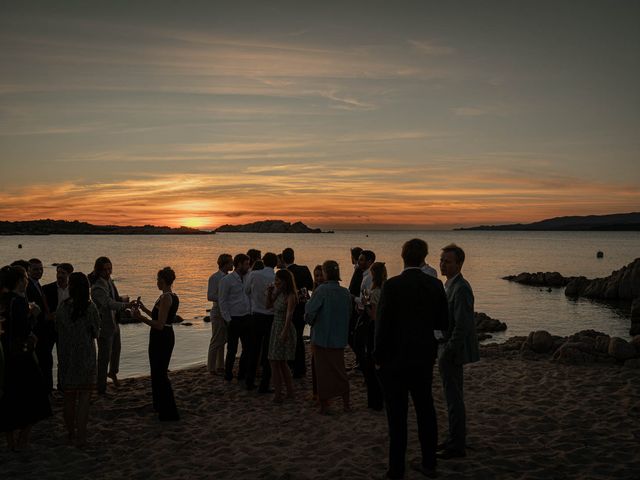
(396, 327)
(79, 315)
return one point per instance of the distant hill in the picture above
(268, 226)
(614, 222)
(63, 227)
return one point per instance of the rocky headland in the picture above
(268, 226)
(613, 222)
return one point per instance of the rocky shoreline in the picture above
(581, 348)
(622, 284)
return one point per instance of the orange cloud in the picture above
(321, 194)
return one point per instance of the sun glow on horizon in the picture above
(195, 222)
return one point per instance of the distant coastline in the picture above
(63, 227)
(614, 222)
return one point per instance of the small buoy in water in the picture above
(600, 254)
(19, 245)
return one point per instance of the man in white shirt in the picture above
(429, 270)
(257, 284)
(235, 308)
(368, 258)
(215, 358)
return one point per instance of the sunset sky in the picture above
(343, 114)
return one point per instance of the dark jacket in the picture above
(356, 282)
(43, 326)
(50, 291)
(303, 278)
(412, 305)
(461, 340)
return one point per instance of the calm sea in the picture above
(490, 256)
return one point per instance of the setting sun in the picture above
(194, 222)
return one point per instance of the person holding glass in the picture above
(161, 343)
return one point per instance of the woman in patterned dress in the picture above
(282, 343)
(77, 324)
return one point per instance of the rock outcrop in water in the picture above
(540, 279)
(623, 284)
(485, 325)
(268, 226)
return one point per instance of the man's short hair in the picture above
(270, 259)
(369, 255)
(66, 267)
(414, 252)
(457, 251)
(331, 271)
(223, 259)
(288, 256)
(99, 264)
(239, 259)
(355, 252)
(254, 254)
(35, 261)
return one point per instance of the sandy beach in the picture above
(527, 419)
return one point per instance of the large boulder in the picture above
(620, 349)
(602, 343)
(540, 341)
(486, 324)
(513, 343)
(576, 287)
(575, 353)
(635, 317)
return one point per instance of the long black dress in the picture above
(25, 400)
(161, 344)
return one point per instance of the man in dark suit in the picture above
(44, 329)
(303, 278)
(58, 291)
(461, 347)
(412, 305)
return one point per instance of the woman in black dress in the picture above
(161, 342)
(25, 400)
